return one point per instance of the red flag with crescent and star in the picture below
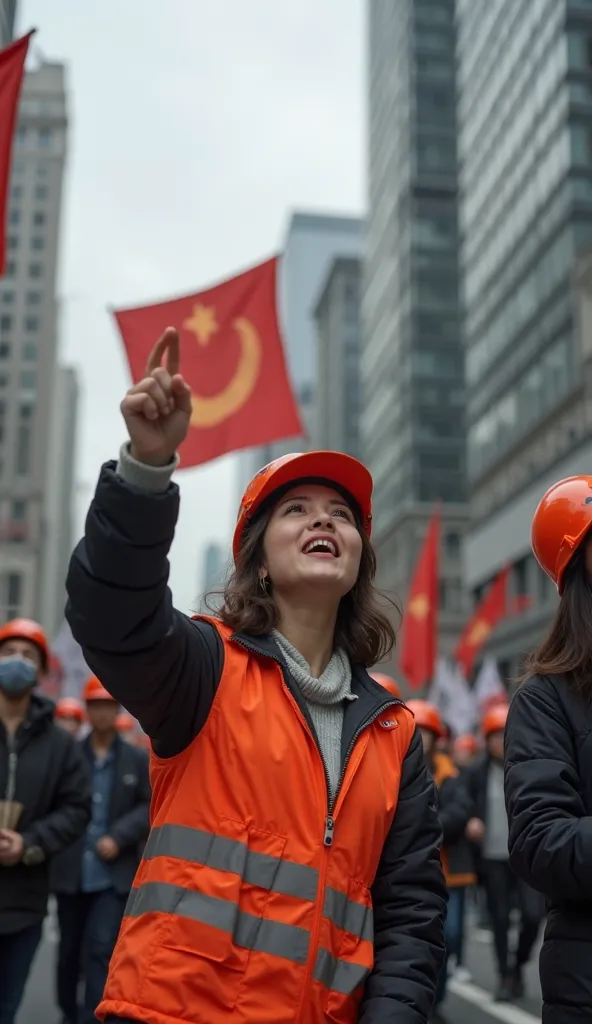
(232, 357)
(12, 69)
(419, 633)
(491, 609)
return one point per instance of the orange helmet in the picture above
(495, 719)
(560, 523)
(336, 468)
(388, 683)
(69, 707)
(467, 744)
(427, 716)
(26, 629)
(125, 723)
(94, 690)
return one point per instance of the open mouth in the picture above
(322, 546)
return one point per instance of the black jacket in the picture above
(165, 668)
(129, 822)
(53, 784)
(548, 783)
(456, 808)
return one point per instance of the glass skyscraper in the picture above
(412, 364)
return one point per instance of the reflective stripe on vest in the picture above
(273, 874)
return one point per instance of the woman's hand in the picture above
(157, 410)
(475, 830)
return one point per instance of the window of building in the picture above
(39, 218)
(8, 297)
(33, 298)
(45, 137)
(35, 269)
(16, 192)
(5, 322)
(18, 511)
(30, 351)
(21, 133)
(31, 324)
(434, 231)
(41, 192)
(520, 574)
(451, 595)
(12, 242)
(42, 170)
(28, 380)
(10, 269)
(3, 380)
(11, 595)
(37, 243)
(4, 350)
(23, 441)
(15, 216)
(452, 545)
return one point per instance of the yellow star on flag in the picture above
(419, 607)
(202, 323)
(479, 633)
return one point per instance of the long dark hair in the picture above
(567, 648)
(362, 629)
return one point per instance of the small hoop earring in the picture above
(263, 583)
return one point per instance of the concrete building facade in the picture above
(7, 20)
(525, 129)
(412, 365)
(28, 343)
(337, 316)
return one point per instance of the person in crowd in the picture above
(464, 750)
(126, 727)
(388, 682)
(293, 869)
(92, 879)
(45, 803)
(488, 831)
(548, 776)
(455, 812)
(69, 714)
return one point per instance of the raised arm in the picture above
(162, 666)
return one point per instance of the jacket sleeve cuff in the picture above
(146, 478)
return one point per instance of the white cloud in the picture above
(195, 128)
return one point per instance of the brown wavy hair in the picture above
(362, 630)
(567, 647)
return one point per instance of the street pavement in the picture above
(467, 1002)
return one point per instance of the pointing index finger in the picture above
(169, 343)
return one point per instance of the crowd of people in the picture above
(305, 844)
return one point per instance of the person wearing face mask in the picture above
(45, 803)
(292, 872)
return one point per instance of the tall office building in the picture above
(525, 119)
(412, 366)
(28, 340)
(337, 316)
(7, 19)
(312, 242)
(58, 505)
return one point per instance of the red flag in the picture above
(12, 67)
(232, 357)
(490, 610)
(419, 635)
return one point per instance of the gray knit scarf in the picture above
(324, 696)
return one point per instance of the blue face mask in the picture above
(17, 676)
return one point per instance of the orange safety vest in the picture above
(250, 903)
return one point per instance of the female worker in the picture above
(292, 872)
(548, 781)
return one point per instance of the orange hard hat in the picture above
(344, 471)
(69, 707)
(388, 683)
(427, 716)
(94, 690)
(467, 744)
(495, 719)
(125, 723)
(26, 629)
(560, 523)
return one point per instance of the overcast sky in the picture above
(196, 127)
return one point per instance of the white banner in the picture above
(75, 671)
(452, 696)
(488, 684)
